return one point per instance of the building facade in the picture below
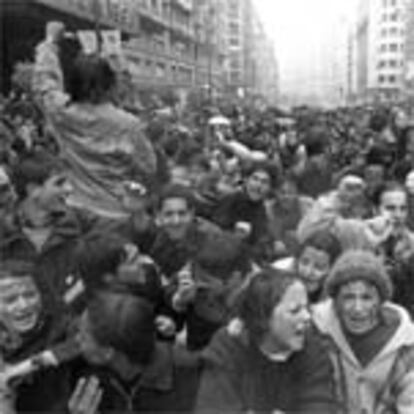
(163, 42)
(409, 50)
(251, 65)
(184, 45)
(380, 44)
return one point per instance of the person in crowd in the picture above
(139, 226)
(244, 212)
(285, 211)
(197, 174)
(125, 368)
(394, 240)
(274, 362)
(313, 261)
(315, 258)
(371, 337)
(409, 185)
(48, 62)
(291, 151)
(381, 124)
(345, 201)
(406, 162)
(101, 144)
(8, 199)
(203, 264)
(109, 259)
(338, 212)
(314, 174)
(28, 326)
(156, 130)
(376, 171)
(43, 228)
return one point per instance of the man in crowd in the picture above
(126, 368)
(244, 212)
(201, 262)
(44, 229)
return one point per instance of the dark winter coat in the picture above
(169, 384)
(316, 178)
(218, 267)
(238, 207)
(238, 378)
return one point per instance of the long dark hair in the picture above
(92, 80)
(256, 303)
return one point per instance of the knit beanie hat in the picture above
(355, 265)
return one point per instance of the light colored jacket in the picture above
(102, 145)
(325, 214)
(47, 73)
(386, 384)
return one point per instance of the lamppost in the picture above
(210, 46)
(197, 27)
(97, 15)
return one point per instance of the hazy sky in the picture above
(297, 26)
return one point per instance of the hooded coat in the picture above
(386, 384)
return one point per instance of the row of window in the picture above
(386, 3)
(235, 76)
(392, 31)
(392, 63)
(234, 27)
(393, 17)
(391, 47)
(387, 79)
(149, 67)
(234, 41)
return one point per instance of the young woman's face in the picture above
(313, 268)
(53, 193)
(289, 320)
(358, 306)
(394, 204)
(20, 303)
(258, 185)
(175, 217)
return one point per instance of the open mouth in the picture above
(301, 331)
(25, 321)
(299, 338)
(358, 324)
(312, 283)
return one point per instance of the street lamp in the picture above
(197, 27)
(97, 15)
(210, 45)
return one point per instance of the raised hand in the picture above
(86, 397)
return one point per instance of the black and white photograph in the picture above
(206, 206)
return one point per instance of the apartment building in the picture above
(380, 46)
(251, 65)
(162, 42)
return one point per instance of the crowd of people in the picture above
(227, 259)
